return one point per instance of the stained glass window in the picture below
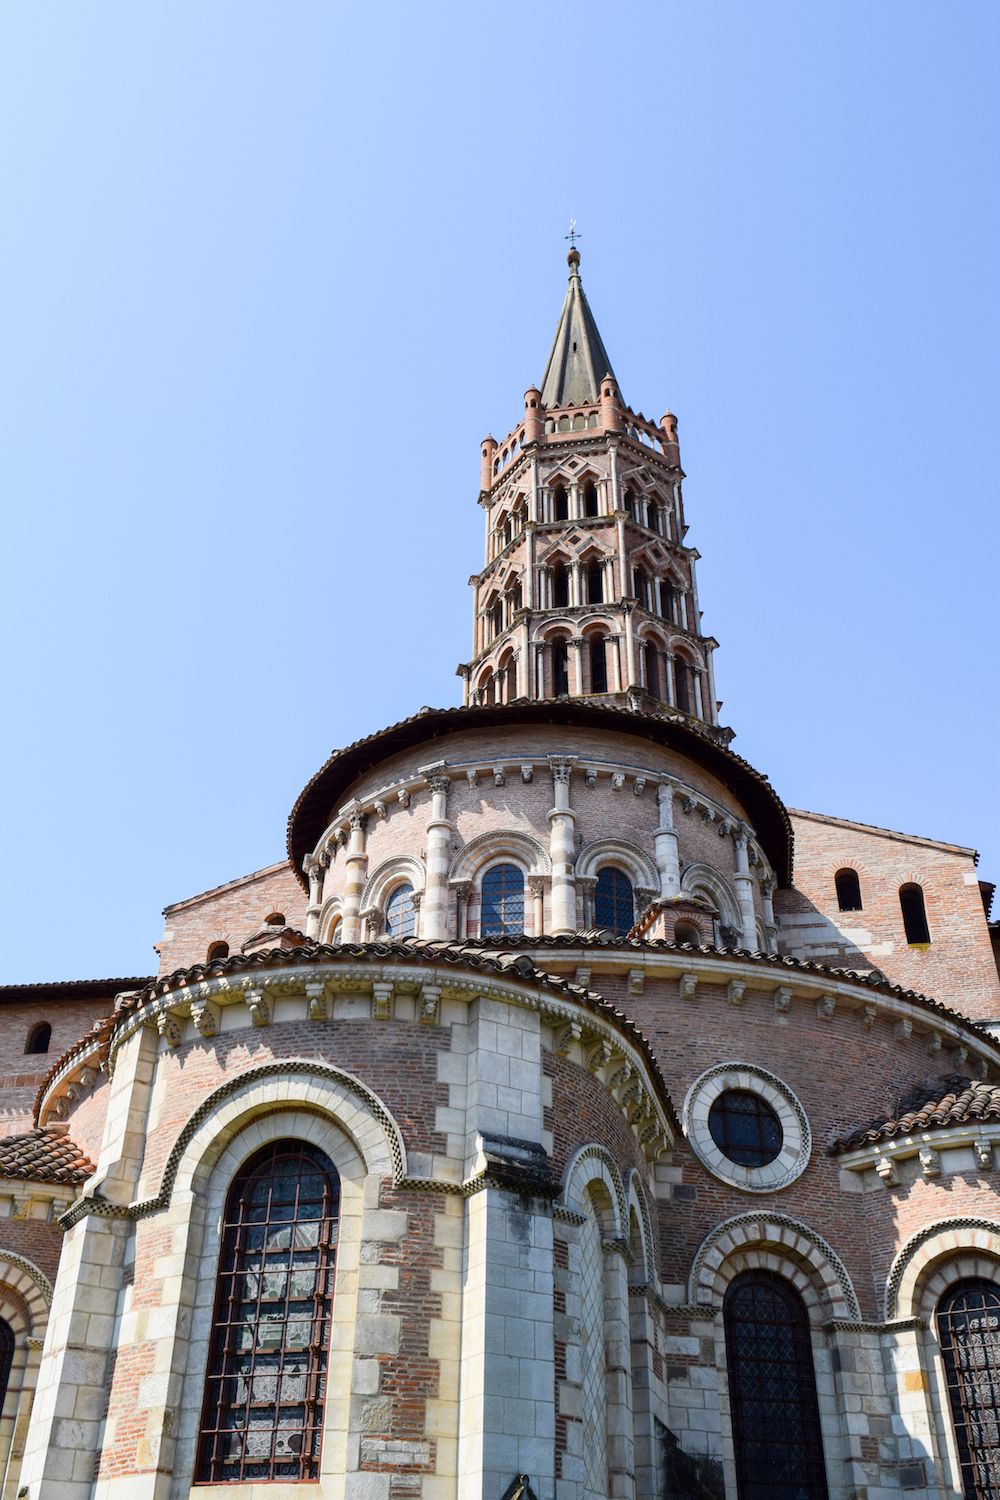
(614, 901)
(772, 1391)
(968, 1321)
(502, 902)
(267, 1363)
(745, 1128)
(400, 913)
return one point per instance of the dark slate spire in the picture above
(578, 361)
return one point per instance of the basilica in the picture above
(564, 1118)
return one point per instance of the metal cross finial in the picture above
(573, 235)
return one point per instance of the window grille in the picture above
(502, 898)
(968, 1322)
(401, 913)
(745, 1128)
(267, 1363)
(772, 1390)
(614, 900)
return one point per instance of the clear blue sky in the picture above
(270, 271)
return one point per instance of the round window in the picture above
(745, 1128)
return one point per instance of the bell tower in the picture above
(588, 587)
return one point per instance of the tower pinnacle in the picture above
(578, 361)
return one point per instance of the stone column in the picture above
(770, 925)
(618, 1375)
(576, 665)
(629, 646)
(623, 579)
(668, 662)
(357, 874)
(536, 885)
(529, 566)
(461, 889)
(665, 844)
(698, 679)
(615, 674)
(537, 684)
(744, 892)
(434, 909)
(586, 885)
(315, 870)
(72, 1379)
(562, 841)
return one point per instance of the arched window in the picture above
(595, 581)
(614, 900)
(276, 919)
(7, 1345)
(400, 913)
(628, 503)
(666, 600)
(772, 1390)
(502, 896)
(968, 1323)
(267, 1362)
(598, 665)
(217, 951)
(39, 1038)
(687, 932)
(560, 668)
(682, 682)
(560, 585)
(848, 890)
(652, 663)
(590, 499)
(560, 503)
(911, 902)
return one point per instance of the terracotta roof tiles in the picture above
(936, 1105)
(44, 1156)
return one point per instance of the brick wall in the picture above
(230, 913)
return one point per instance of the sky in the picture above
(270, 272)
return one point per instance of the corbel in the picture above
(206, 1016)
(930, 1162)
(169, 1028)
(736, 991)
(316, 1002)
(825, 1007)
(688, 985)
(782, 998)
(636, 981)
(259, 1007)
(382, 999)
(430, 1004)
(886, 1169)
(903, 1030)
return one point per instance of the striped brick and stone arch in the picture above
(639, 1230)
(404, 869)
(774, 1242)
(934, 1258)
(705, 884)
(25, 1298)
(330, 918)
(591, 1164)
(500, 848)
(295, 1101)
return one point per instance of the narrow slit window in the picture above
(848, 890)
(911, 902)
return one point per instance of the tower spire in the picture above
(578, 361)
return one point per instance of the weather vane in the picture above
(573, 235)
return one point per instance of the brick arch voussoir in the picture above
(774, 1242)
(29, 1285)
(595, 1164)
(920, 1271)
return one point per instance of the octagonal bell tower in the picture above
(588, 587)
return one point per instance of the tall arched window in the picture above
(772, 1390)
(595, 581)
(682, 685)
(560, 585)
(911, 903)
(560, 668)
(968, 1322)
(652, 663)
(614, 900)
(502, 897)
(7, 1345)
(39, 1038)
(401, 913)
(666, 599)
(848, 890)
(560, 503)
(598, 665)
(590, 499)
(267, 1362)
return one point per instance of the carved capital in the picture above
(439, 783)
(561, 767)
